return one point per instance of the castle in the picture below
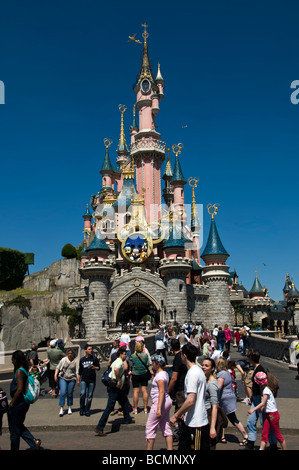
(141, 253)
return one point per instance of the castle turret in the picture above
(257, 291)
(167, 177)
(178, 180)
(287, 286)
(216, 276)
(98, 269)
(147, 149)
(107, 169)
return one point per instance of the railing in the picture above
(276, 348)
(100, 349)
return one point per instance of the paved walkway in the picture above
(77, 432)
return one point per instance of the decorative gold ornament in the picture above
(213, 207)
(107, 142)
(177, 149)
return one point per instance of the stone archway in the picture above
(137, 306)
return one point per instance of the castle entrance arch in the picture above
(138, 307)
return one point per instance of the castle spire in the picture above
(107, 166)
(195, 225)
(146, 70)
(214, 245)
(122, 149)
(178, 176)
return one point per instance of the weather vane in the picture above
(122, 108)
(213, 207)
(107, 143)
(193, 182)
(145, 33)
(177, 149)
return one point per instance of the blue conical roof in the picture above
(176, 238)
(177, 172)
(107, 166)
(256, 287)
(214, 245)
(98, 243)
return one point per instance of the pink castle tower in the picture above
(147, 150)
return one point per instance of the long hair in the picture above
(20, 360)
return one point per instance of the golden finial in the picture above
(177, 149)
(145, 33)
(107, 143)
(193, 182)
(215, 207)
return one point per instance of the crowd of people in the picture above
(200, 384)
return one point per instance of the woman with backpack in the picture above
(18, 407)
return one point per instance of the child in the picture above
(268, 405)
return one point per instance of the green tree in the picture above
(69, 251)
(13, 268)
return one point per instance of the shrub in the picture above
(69, 251)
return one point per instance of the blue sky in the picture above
(227, 66)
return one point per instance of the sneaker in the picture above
(61, 413)
(100, 433)
(69, 411)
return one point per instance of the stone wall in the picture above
(22, 327)
(61, 274)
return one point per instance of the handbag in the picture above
(106, 377)
(148, 374)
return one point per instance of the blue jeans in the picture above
(86, 393)
(253, 419)
(115, 395)
(16, 416)
(66, 390)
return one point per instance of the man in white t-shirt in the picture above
(195, 432)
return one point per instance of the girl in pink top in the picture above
(268, 404)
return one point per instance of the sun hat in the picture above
(261, 378)
(159, 359)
